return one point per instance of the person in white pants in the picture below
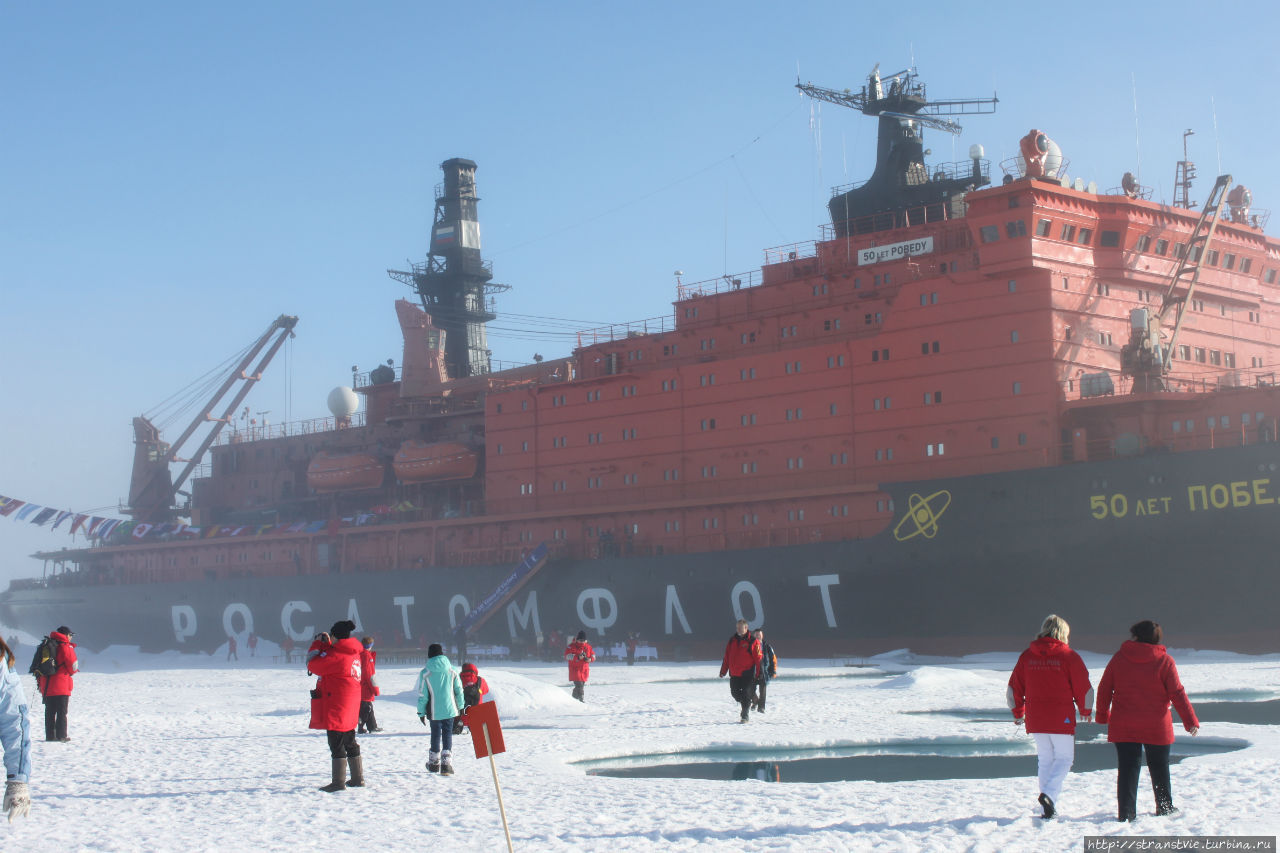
(1048, 685)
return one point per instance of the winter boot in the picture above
(1046, 803)
(339, 776)
(357, 771)
(433, 762)
(446, 767)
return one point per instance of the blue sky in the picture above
(173, 176)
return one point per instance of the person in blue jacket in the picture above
(439, 700)
(15, 737)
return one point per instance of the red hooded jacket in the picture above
(579, 654)
(60, 683)
(1048, 684)
(741, 655)
(1134, 695)
(369, 689)
(335, 703)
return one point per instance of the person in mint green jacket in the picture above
(439, 701)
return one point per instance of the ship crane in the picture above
(1147, 357)
(152, 489)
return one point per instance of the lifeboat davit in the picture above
(420, 461)
(338, 472)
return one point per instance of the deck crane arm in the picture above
(152, 489)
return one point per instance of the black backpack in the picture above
(45, 662)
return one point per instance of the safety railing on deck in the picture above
(238, 435)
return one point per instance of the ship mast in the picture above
(454, 281)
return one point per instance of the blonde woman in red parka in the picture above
(335, 701)
(1134, 695)
(1048, 685)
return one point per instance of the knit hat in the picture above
(342, 630)
(582, 636)
(435, 650)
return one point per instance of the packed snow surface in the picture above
(187, 753)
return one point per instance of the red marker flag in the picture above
(486, 731)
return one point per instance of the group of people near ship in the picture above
(1050, 683)
(1048, 691)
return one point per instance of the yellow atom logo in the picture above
(924, 514)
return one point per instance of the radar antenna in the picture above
(902, 96)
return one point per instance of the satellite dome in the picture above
(343, 402)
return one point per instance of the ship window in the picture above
(708, 470)
(1177, 426)
(749, 420)
(1244, 419)
(886, 278)
(884, 353)
(1226, 421)
(1213, 258)
(1211, 422)
(1064, 282)
(928, 450)
(1184, 352)
(1228, 261)
(876, 404)
(708, 423)
(1022, 438)
(747, 373)
(1104, 289)
(1013, 286)
(1229, 359)
(1162, 247)
(995, 442)
(1068, 232)
(748, 467)
(1043, 226)
(937, 396)
(1144, 242)
(1215, 356)
(1245, 264)
(875, 355)
(499, 449)
(1179, 250)
(1016, 228)
(1086, 236)
(833, 409)
(1191, 426)
(1013, 336)
(989, 233)
(879, 454)
(1269, 276)
(1200, 354)
(928, 398)
(1109, 239)
(1017, 388)
(933, 298)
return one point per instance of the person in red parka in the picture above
(335, 701)
(369, 689)
(1049, 683)
(56, 688)
(742, 654)
(579, 654)
(1133, 702)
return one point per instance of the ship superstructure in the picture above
(944, 348)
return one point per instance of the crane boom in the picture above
(152, 489)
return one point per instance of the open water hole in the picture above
(902, 762)
(1250, 713)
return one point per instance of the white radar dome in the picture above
(343, 402)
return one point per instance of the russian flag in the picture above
(444, 234)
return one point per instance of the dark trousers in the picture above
(55, 717)
(580, 690)
(368, 722)
(1129, 768)
(343, 744)
(740, 689)
(762, 687)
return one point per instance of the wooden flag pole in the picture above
(493, 766)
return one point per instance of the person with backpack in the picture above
(55, 666)
(579, 654)
(742, 656)
(439, 700)
(474, 691)
(765, 670)
(369, 689)
(15, 738)
(335, 701)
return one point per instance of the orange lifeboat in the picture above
(337, 472)
(419, 461)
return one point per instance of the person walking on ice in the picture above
(15, 738)
(742, 655)
(440, 699)
(579, 654)
(1049, 683)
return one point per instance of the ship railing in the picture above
(361, 379)
(620, 331)
(1016, 168)
(957, 170)
(242, 434)
(723, 284)
(1141, 192)
(942, 211)
(791, 252)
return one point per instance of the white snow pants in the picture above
(1055, 753)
